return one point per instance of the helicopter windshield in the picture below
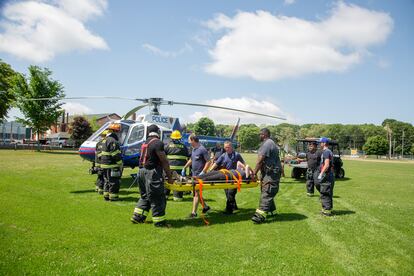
(137, 133)
(121, 135)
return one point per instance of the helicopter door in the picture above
(166, 136)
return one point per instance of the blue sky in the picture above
(310, 61)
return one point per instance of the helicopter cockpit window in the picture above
(136, 135)
(123, 133)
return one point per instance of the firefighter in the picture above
(177, 155)
(153, 162)
(100, 180)
(313, 158)
(111, 163)
(325, 178)
(268, 162)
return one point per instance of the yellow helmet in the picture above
(176, 135)
(105, 132)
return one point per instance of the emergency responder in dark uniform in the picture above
(100, 180)
(153, 162)
(268, 163)
(313, 157)
(228, 160)
(177, 155)
(325, 178)
(111, 163)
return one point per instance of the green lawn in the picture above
(52, 222)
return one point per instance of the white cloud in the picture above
(38, 30)
(267, 47)
(167, 54)
(288, 2)
(244, 103)
(76, 108)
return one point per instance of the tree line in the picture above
(373, 139)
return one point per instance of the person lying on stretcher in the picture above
(245, 172)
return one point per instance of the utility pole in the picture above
(389, 136)
(402, 147)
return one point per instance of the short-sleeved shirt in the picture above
(314, 159)
(270, 151)
(153, 160)
(327, 155)
(229, 161)
(199, 158)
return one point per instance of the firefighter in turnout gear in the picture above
(100, 180)
(177, 155)
(325, 178)
(268, 162)
(153, 162)
(111, 163)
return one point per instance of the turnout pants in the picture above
(310, 182)
(325, 187)
(151, 186)
(269, 189)
(100, 180)
(112, 184)
(177, 195)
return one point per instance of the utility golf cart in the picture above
(299, 164)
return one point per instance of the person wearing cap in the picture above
(229, 160)
(313, 158)
(153, 162)
(325, 178)
(177, 155)
(100, 180)
(199, 162)
(268, 163)
(111, 162)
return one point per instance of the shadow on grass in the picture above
(83, 191)
(342, 212)
(343, 179)
(241, 215)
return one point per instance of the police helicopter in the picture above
(133, 133)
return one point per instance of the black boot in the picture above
(138, 218)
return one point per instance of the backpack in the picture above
(144, 152)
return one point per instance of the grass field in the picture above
(52, 222)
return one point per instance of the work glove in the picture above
(320, 177)
(201, 173)
(183, 172)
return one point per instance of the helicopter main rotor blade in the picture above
(82, 98)
(228, 108)
(132, 111)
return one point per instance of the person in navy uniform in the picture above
(325, 178)
(200, 163)
(228, 160)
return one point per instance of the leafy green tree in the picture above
(412, 148)
(81, 129)
(249, 137)
(94, 124)
(7, 80)
(224, 130)
(402, 132)
(204, 126)
(39, 115)
(376, 145)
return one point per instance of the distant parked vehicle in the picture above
(62, 142)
